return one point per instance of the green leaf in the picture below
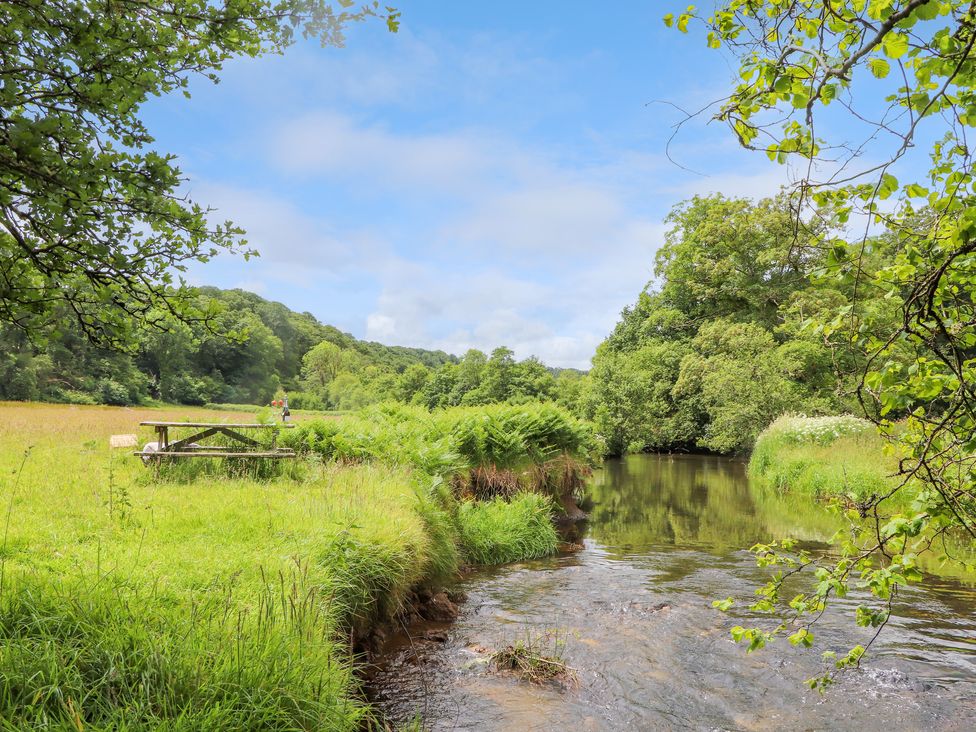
(723, 605)
(888, 185)
(879, 67)
(895, 45)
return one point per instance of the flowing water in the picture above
(633, 607)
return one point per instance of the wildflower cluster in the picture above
(800, 429)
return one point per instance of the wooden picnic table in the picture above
(189, 445)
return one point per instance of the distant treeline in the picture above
(749, 316)
(250, 350)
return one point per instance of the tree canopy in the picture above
(714, 348)
(93, 224)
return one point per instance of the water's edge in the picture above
(633, 606)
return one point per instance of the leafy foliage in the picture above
(796, 58)
(259, 348)
(477, 447)
(90, 214)
(718, 347)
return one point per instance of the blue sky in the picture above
(493, 174)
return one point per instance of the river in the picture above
(633, 608)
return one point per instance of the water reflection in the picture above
(645, 501)
(665, 538)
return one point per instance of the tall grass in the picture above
(499, 531)
(225, 601)
(830, 458)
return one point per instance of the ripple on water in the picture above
(651, 653)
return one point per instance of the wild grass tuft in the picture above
(500, 531)
(536, 658)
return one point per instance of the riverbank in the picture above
(839, 459)
(633, 606)
(229, 602)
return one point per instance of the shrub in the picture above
(114, 393)
(487, 451)
(305, 400)
(72, 396)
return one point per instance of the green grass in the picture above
(843, 461)
(829, 458)
(500, 531)
(212, 601)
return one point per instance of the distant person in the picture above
(285, 413)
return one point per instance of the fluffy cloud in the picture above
(430, 212)
(294, 246)
(330, 144)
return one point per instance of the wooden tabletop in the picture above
(233, 425)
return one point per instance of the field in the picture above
(131, 600)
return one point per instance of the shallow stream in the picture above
(633, 606)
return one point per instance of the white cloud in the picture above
(293, 246)
(419, 230)
(520, 250)
(329, 144)
(380, 327)
(550, 219)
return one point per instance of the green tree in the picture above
(731, 257)
(531, 381)
(245, 365)
(322, 364)
(497, 381)
(90, 214)
(797, 57)
(470, 373)
(412, 382)
(714, 350)
(631, 398)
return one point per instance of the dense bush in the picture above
(305, 400)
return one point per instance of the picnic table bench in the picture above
(190, 445)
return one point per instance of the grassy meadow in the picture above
(134, 599)
(828, 458)
(842, 461)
